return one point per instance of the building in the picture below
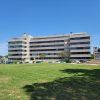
(75, 46)
(96, 52)
(19, 49)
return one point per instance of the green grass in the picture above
(49, 82)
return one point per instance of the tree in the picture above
(6, 56)
(1, 58)
(92, 56)
(42, 55)
(65, 55)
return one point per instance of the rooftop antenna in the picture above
(24, 33)
(71, 32)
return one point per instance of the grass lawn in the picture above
(49, 82)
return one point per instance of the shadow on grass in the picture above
(83, 85)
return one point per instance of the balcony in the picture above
(58, 47)
(39, 44)
(80, 45)
(32, 52)
(80, 55)
(16, 56)
(80, 50)
(49, 39)
(37, 56)
(81, 40)
(19, 52)
(17, 48)
(17, 44)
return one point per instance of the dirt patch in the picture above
(12, 93)
(4, 79)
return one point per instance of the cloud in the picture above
(3, 48)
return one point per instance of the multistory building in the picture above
(75, 46)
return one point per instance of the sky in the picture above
(48, 17)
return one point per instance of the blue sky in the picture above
(48, 17)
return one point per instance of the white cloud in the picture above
(3, 48)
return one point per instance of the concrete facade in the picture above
(96, 51)
(28, 48)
